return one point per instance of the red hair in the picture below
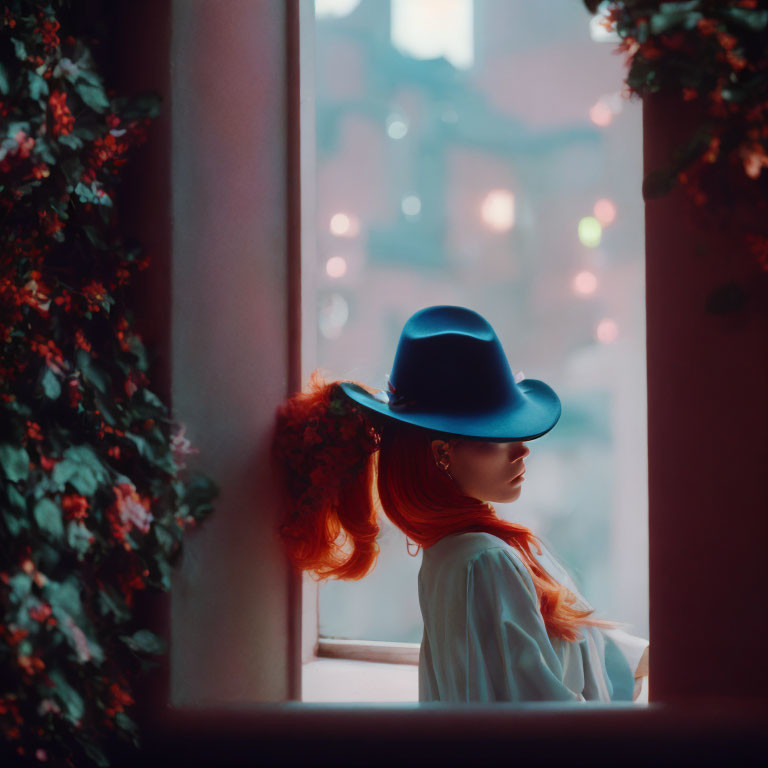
(340, 464)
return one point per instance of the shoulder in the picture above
(501, 567)
(465, 548)
(465, 545)
(489, 550)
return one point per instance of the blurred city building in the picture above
(480, 153)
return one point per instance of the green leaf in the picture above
(4, 84)
(140, 106)
(165, 538)
(69, 697)
(138, 349)
(91, 372)
(14, 460)
(49, 556)
(48, 517)
(21, 586)
(93, 96)
(64, 597)
(126, 723)
(38, 86)
(63, 471)
(142, 445)
(94, 752)
(110, 601)
(71, 140)
(94, 236)
(165, 573)
(15, 126)
(19, 48)
(15, 524)
(43, 151)
(106, 409)
(85, 73)
(78, 538)
(85, 455)
(85, 194)
(79, 475)
(200, 491)
(72, 169)
(15, 498)
(144, 640)
(51, 385)
(748, 17)
(151, 398)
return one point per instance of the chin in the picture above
(504, 497)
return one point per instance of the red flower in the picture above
(63, 121)
(129, 509)
(120, 699)
(75, 506)
(47, 464)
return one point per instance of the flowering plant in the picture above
(714, 54)
(93, 502)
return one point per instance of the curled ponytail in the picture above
(322, 449)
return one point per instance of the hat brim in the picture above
(538, 412)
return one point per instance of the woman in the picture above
(446, 440)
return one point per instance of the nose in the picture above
(520, 451)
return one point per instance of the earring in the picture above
(444, 463)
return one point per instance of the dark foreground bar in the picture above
(717, 732)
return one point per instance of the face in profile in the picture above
(488, 471)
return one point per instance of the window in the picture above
(503, 173)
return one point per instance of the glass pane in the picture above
(481, 154)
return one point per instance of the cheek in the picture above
(484, 471)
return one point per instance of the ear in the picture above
(438, 446)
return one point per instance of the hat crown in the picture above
(449, 359)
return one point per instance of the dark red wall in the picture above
(707, 435)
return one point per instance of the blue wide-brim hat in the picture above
(450, 374)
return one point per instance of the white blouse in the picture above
(485, 639)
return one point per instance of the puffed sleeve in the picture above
(509, 655)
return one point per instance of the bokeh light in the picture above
(397, 127)
(585, 283)
(334, 8)
(333, 313)
(343, 225)
(600, 114)
(607, 331)
(590, 231)
(498, 209)
(429, 29)
(336, 266)
(411, 205)
(605, 211)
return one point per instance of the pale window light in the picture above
(427, 29)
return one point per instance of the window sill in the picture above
(369, 650)
(355, 680)
(342, 680)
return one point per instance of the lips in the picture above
(517, 477)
